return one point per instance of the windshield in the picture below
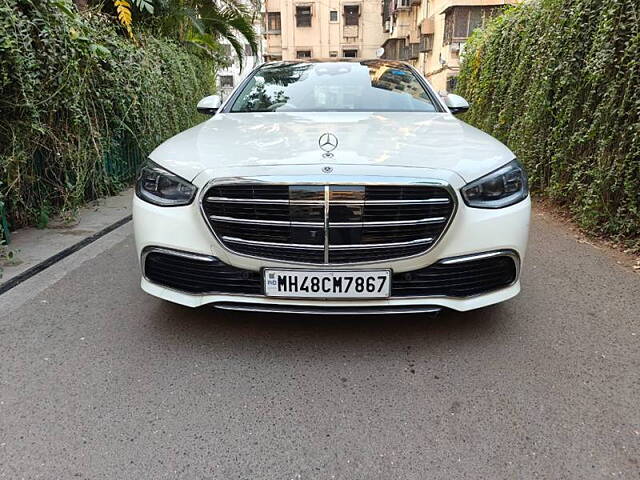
(367, 86)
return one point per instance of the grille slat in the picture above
(301, 246)
(366, 223)
(203, 276)
(268, 192)
(291, 255)
(253, 221)
(374, 255)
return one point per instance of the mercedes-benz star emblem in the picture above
(328, 142)
(327, 169)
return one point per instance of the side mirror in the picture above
(456, 103)
(210, 105)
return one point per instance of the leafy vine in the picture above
(559, 82)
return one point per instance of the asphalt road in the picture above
(100, 381)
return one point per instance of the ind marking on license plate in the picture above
(341, 284)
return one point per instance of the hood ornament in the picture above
(328, 142)
(327, 169)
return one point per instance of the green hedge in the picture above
(81, 105)
(559, 82)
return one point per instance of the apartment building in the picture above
(430, 34)
(322, 28)
(232, 75)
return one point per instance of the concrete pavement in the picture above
(99, 380)
(32, 247)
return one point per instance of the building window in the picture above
(452, 82)
(333, 54)
(404, 4)
(226, 81)
(333, 16)
(273, 22)
(248, 51)
(460, 22)
(350, 53)
(303, 16)
(303, 54)
(351, 14)
(226, 48)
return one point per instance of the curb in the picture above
(18, 279)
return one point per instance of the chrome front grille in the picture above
(328, 224)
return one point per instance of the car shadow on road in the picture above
(209, 325)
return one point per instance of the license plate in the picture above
(318, 284)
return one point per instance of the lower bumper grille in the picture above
(199, 274)
(454, 277)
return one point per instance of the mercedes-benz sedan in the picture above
(332, 187)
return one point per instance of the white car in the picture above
(332, 187)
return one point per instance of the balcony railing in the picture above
(410, 51)
(414, 51)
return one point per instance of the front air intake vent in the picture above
(198, 273)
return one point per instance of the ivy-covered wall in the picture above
(82, 105)
(559, 82)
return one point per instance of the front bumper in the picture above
(395, 305)
(472, 231)
(197, 279)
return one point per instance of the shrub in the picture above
(559, 82)
(81, 105)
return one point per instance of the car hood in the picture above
(399, 139)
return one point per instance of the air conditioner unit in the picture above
(426, 43)
(455, 48)
(387, 26)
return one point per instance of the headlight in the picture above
(498, 189)
(161, 187)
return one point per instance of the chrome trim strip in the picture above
(393, 223)
(245, 200)
(360, 246)
(258, 243)
(438, 201)
(320, 310)
(327, 233)
(366, 180)
(284, 223)
(444, 201)
(176, 253)
(478, 256)
(323, 180)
